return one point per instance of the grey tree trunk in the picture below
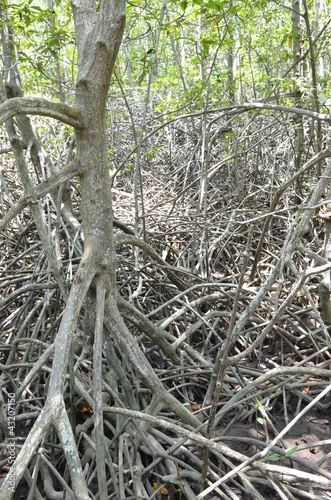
(98, 38)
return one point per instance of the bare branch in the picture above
(97, 388)
(127, 239)
(42, 189)
(67, 437)
(155, 333)
(71, 115)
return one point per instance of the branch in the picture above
(289, 247)
(53, 182)
(285, 109)
(326, 153)
(116, 331)
(63, 427)
(226, 111)
(155, 333)
(39, 429)
(97, 388)
(71, 115)
(127, 239)
(84, 276)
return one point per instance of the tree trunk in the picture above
(98, 37)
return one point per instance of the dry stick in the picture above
(37, 214)
(120, 468)
(55, 472)
(202, 201)
(40, 427)
(34, 371)
(311, 271)
(273, 376)
(187, 291)
(24, 290)
(215, 168)
(137, 174)
(172, 427)
(57, 236)
(177, 314)
(81, 391)
(289, 248)
(34, 493)
(97, 389)
(224, 364)
(203, 320)
(45, 477)
(201, 207)
(280, 488)
(198, 438)
(176, 445)
(22, 330)
(227, 111)
(282, 452)
(237, 330)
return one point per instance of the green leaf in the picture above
(273, 458)
(209, 41)
(219, 5)
(291, 451)
(234, 9)
(260, 420)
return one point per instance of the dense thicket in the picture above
(165, 251)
